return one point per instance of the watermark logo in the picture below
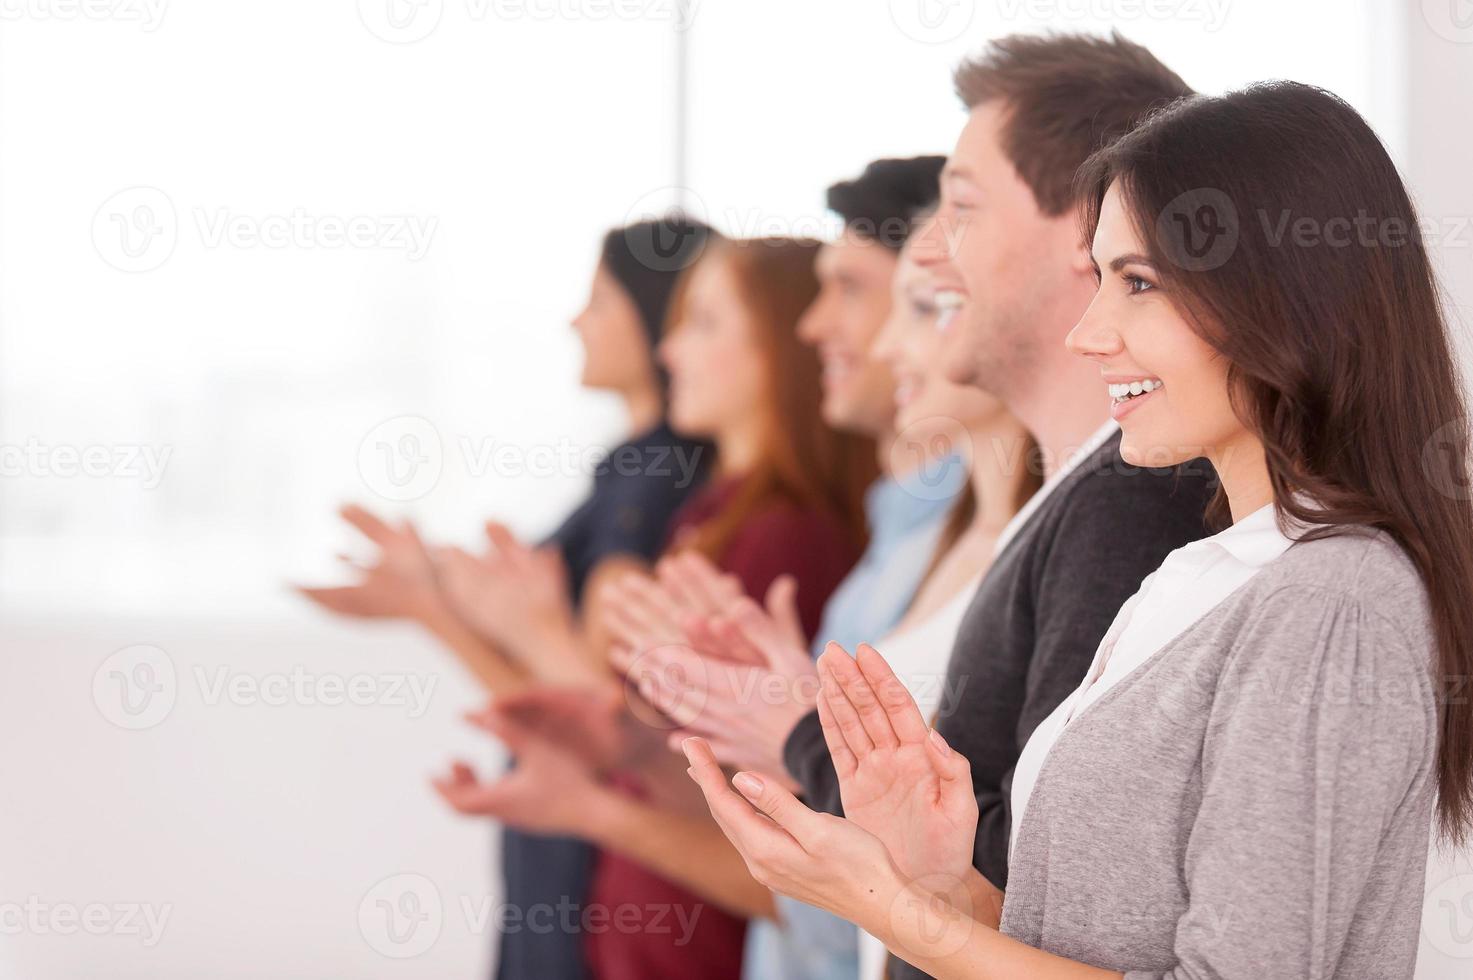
(655, 240)
(666, 676)
(1447, 917)
(136, 229)
(401, 916)
(930, 458)
(933, 915)
(1443, 458)
(1198, 230)
(933, 21)
(136, 687)
(402, 458)
(1451, 20)
(401, 21)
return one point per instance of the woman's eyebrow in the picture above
(1129, 258)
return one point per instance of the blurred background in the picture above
(257, 259)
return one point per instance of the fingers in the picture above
(845, 719)
(722, 639)
(688, 598)
(783, 808)
(549, 561)
(515, 736)
(844, 761)
(649, 602)
(861, 696)
(754, 835)
(709, 586)
(952, 768)
(675, 681)
(464, 791)
(624, 623)
(761, 631)
(347, 600)
(782, 605)
(368, 524)
(892, 695)
(501, 540)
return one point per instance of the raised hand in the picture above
(897, 778)
(593, 723)
(741, 680)
(814, 857)
(400, 583)
(550, 790)
(513, 595)
(645, 611)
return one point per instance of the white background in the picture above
(518, 133)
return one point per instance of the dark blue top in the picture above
(637, 488)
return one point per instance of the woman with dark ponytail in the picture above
(1245, 782)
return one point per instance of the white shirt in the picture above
(1095, 441)
(1191, 582)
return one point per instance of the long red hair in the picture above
(804, 462)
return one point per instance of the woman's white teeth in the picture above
(1120, 392)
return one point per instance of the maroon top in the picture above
(781, 539)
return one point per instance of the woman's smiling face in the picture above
(1168, 388)
(924, 306)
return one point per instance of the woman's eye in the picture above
(1135, 284)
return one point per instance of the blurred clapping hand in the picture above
(554, 788)
(714, 661)
(516, 598)
(400, 584)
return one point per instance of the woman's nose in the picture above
(1095, 334)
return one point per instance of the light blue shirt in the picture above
(906, 519)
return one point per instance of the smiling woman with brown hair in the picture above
(1244, 783)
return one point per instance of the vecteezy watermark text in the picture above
(402, 459)
(36, 917)
(138, 228)
(123, 461)
(138, 687)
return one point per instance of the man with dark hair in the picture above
(1006, 228)
(878, 209)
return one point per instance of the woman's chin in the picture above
(687, 423)
(1139, 450)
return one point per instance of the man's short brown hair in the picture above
(1066, 95)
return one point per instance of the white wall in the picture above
(1438, 93)
(253, 809)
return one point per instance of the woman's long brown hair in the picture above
(804, 462)
(1280, 227)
